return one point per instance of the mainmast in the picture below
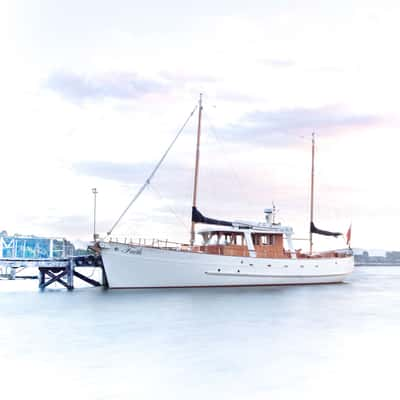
(196, 170)
(312, 191)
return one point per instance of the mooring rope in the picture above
(147, 181)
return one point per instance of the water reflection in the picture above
(308, 342)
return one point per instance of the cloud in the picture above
(118, 85)
(121, 172)
(283, 125)
(276, 63)
(111, 85)
(174, 181)
(237, 96)
(171, 180)
(67, 226)
(185, 77)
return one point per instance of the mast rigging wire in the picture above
(239, 183)
(147, 181)
(171, 209)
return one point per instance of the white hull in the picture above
(145, 267)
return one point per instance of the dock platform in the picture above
(58, 270)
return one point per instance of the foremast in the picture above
(196, 171)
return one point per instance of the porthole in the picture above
(241, 262)
(268, 265)
(286, 266)
(238, 270)
(316, 266)
(251, 265)
(219, 269)
(301, 266)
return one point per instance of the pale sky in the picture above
(92, 93)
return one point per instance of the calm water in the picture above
(314, 342)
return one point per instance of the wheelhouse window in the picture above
(224, 238)
(263, 239)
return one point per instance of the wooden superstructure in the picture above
(228, 243)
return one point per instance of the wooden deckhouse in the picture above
(246, 239)
(231, 242)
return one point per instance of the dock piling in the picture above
(70, 274)
(63, 271)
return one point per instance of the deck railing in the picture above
(156, 243)
(227, 250)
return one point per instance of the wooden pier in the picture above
(60, 270)
(65, 274)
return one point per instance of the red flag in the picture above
(348, 235)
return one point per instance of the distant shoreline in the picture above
(377, 264)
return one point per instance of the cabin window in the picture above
(263, 239)
(267, 240)
(223, 238)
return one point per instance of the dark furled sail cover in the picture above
(197, 216)
(314, 229)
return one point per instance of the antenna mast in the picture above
(196, 171)
(312, 191)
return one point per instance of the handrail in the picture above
(178, 246)
(146, 242)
